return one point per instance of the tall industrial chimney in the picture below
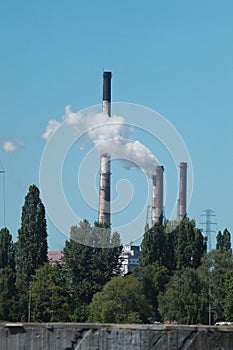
(157, 197)
(105, 162)
(182, 209)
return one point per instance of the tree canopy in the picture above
(228, 302)
(7, 276)
(31, 247)
(184, 300)
(120, 301)
(177, 249)
(213, 271)
(89, 268)
(223, 241)
(49, 295)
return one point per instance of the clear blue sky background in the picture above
(175, 57)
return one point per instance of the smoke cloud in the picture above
(109, 135)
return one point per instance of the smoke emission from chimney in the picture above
(110, 135)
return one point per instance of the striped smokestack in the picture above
(105, 162)
(157, 196)
(182, 209)
(153, 218)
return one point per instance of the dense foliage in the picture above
(183, 247)
(213, 270)
(49, 295)
(176, 279)
(228, 305)
(31, 247)
(120, 301)
(223, 241)
(184, 299)
(7, 276)
(89, 268)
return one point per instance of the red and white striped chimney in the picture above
(181, 203)
(104, 215)
(157, 197)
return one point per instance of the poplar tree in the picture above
(157, 246)
(32, 247)
(223, 241)
(7, 276)
(189, 245)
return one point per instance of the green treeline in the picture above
(176, 280)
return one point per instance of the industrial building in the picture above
(129, 258)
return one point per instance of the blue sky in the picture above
(174, 57)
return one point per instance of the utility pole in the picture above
(2, 171)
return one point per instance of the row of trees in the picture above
(176, 279)
(31, 289)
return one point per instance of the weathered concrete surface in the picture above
(77, 336)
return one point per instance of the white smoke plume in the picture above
(51, 127)
(109, 135)
(113, 136)
(11, 146)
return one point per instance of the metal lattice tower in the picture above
(208, 224)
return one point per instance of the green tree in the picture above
(98, 236)
(49, 299)
(120, 301)
(89, 268)
(7, 254)
(7, 276)
(228, 302)
(189, 245)
(157, 246)
(153, 279)
(31, 246)
(213, 272)
(177, 249)
(184, 299)
(223, 241)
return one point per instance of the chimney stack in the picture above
(157, 197)
(182, 209)
(105, 162)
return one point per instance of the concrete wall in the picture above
(76, 336)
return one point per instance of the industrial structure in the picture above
(208, 225)
(157, 207)
(157, 196)
(129, 258)
(182, 200)
(55, 257)
(104, 216)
